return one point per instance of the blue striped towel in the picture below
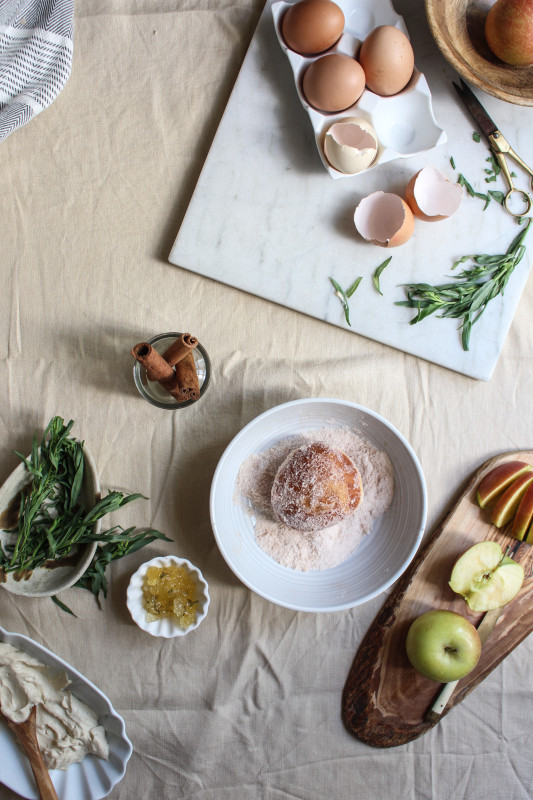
(36, 44)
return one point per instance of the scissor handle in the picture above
(526, 198)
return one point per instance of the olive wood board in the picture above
(385, 701)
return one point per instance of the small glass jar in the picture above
(154, 392)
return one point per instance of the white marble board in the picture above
(267, 218)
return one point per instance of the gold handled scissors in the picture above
(499, 146)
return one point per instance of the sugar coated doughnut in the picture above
(316, 487)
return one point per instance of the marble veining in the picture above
(267, 218)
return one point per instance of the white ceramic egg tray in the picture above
(404, 123)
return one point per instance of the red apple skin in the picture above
(499, 479)
(509, 31)
(524, 515)
(506, 506)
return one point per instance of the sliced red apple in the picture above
(524, 515)
(499, 479)
(485, 577)
(507, 505)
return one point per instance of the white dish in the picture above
(91, 779)
(43, 581)
(380, 558)
(165, 627)
(404, 123)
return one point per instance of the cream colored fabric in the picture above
(92, 194)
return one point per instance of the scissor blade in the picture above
(486, 125)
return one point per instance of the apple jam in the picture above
(170, 592)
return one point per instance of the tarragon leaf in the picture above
(377, 273)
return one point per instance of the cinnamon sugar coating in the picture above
(316, 487)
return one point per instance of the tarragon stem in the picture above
(467, 297)
(53, 519)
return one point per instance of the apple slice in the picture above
(499, 479)
(507, 505)
(524, 516)
(485, 577)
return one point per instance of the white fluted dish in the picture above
(380, 558)
(166, 627)
(91, 779)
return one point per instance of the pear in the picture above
(509, 31)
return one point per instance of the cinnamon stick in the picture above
(187, 377)
(179, 349)
(157, 369)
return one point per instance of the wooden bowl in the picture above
(458, 27)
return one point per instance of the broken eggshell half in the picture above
(350, 145)
(431, 196)
(384, 219)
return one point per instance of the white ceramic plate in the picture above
(404, 123)
(44, 581)
(165, 627)
(380, 558)
(91, 779)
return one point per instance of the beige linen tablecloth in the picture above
(93, 193)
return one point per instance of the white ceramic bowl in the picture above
(382, 555)
(45, 581)
(91, 779)
(165, 627)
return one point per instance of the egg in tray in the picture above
(354, 73)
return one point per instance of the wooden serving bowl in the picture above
(458, 27)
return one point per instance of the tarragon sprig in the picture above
(344, 296)
(473, 289)
(53, 519)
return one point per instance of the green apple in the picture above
(485, 577)
(443, 645)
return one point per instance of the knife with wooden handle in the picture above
(484, 628)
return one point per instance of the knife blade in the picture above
(485, 123)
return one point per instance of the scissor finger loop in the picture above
(525, 197)
(499, 146)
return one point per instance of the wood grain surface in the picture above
(458, 27)
(385, 701)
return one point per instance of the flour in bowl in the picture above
(327, 547)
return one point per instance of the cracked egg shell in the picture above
(431, 196)
(384, 219)
(350, 145)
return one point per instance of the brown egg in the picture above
(387, 59)
(311, 26)
(333, 82)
